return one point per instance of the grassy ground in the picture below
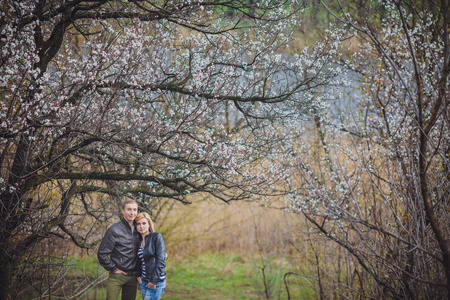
(209, 276)
(213, 276)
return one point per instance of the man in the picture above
(117, 254)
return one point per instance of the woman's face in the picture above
(142, 225)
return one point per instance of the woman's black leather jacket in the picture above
(154, 257)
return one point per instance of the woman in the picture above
(151, 253)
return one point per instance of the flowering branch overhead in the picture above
(103, 100)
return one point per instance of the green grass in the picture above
(208, 276)
(224, 276)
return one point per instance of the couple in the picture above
(133, 252)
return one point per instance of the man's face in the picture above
(130, 211)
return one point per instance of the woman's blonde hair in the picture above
(146, 215)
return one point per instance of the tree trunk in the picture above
(11, 214)
(6, 269)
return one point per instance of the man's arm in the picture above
(104, 251)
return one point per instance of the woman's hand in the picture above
(139, 280)
(151, 285)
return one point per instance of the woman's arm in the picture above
(160, 255)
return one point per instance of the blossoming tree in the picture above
(380, 187)
(146, 99)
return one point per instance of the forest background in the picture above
(301, 147)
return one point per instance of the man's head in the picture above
(129, 210)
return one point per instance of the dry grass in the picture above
(240, 227)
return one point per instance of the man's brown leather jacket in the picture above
(118, 249)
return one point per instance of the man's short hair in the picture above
(128, 201)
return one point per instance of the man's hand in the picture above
(120, 271)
